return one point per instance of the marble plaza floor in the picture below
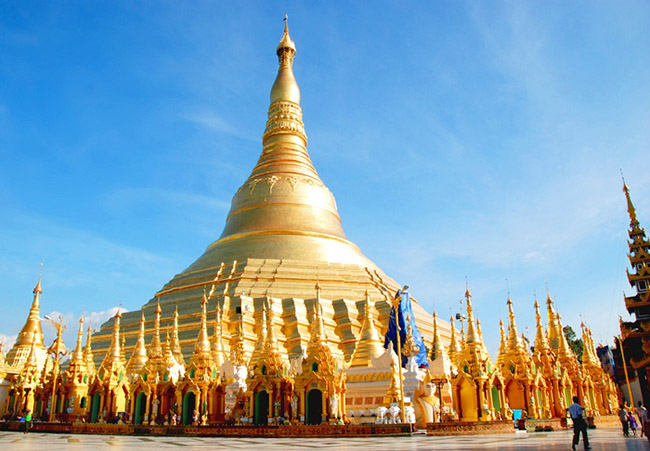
(601, 439)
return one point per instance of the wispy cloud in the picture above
(70, 321)
(8, 341)
(128, 197)
(213, 121)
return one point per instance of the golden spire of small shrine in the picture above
(155, 347)
(541, 341)
(78, 353)
(514, 342)
(634, 222)
(503, 345)
(437, 346)
(565, 354)
(202, 341)
(88, 352)
(175, 343)
(123, 349)
(272, 356)
(114, 361)
(31, 331)
(471, 332)
(139, 356)
(554, 331)
(318, 334)
(258, 351)
(237, 349)
(454, 347)
(218, 351)
(369, 345)
(114, 352)
(479, 332)
(409, 347)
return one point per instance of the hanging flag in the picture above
(405, 310)
(606, 359)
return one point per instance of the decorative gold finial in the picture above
(634, 222)
(285, 87)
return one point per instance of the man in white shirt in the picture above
(579, 424)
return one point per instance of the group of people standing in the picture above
(628, 421)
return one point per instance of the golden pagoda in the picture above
(296, 336)
(30, 333)
(478, 388)
(283, 234)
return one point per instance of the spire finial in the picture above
(630, 206)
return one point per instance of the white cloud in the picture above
(71, 323)
(96, 319)
(8, 341)
(211, 120)
(133, 197)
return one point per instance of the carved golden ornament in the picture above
(410, 347)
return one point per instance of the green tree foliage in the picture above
(575, 343)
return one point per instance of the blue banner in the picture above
(405, 310)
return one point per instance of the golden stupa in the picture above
(283, 236)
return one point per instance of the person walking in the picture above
(633, 424)
(28, 420)
(622, 415)
(579, 424)
(642, 414)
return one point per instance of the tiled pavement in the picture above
(601, 439)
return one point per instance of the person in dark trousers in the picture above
(579, 424)
(622, 415)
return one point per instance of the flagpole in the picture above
(627, 379)
(396, 304)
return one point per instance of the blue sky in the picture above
(477, 140)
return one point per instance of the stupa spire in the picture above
(78, 353)
(258, 351)
(554, 331)
(31, 331)
(272, 356)
(369, 345)
(114, 352)
(454, 347)
(503, 345)
(565, 354)
(437, 346)
(175, 343)
(318, 327)
(471, 331)
(634, 222)
(480, 336)
(88, 351)
(541, 342)
(218, 352)
(139, 356)
(514, 343)
(285, 87)
(155, 347)
(202, 344)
